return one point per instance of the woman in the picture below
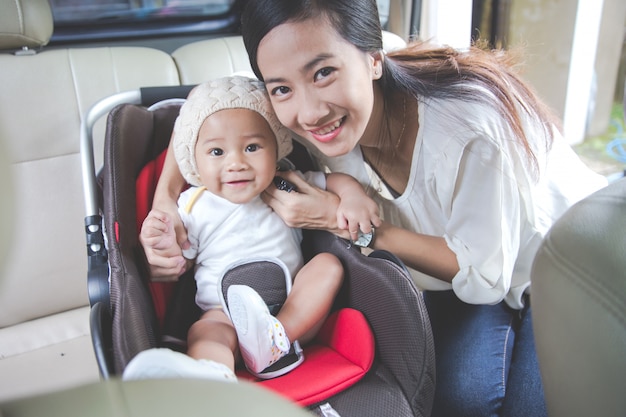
(464, 160)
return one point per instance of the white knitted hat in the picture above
(235, 92)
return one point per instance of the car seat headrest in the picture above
(25, 23)
(392, 42)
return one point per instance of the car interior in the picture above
(44, 304)
(47, 360)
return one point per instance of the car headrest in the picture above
(578, 297)
(392, 42)
(25, 23)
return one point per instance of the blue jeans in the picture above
(485, 357)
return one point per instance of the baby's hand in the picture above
(356, 213)
(164, 255)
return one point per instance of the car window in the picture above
(89, 20)
(72, 11)
(383, 11)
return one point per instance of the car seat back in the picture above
(579, 307)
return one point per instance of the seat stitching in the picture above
(20, 17)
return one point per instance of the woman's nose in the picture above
(311, 111)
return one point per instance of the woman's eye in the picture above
(280, 91)
(216, 152)
(323, 73)
(252, 148)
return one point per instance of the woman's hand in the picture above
(357, 212)
(159, 239)
(308, 208)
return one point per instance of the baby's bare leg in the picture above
(213, 337)
(311, 297)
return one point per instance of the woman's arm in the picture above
(166, 194)
(168, 189)
(313, 208)
(428, 254)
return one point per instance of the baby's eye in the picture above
(323, 73)
(216, 152)
(252, 148)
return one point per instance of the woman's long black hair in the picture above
(422, 69)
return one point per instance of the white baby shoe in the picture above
(165, 363)
(262, 338)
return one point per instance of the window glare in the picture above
(67, 11)
(74, 11)
(383, 11)
(108, 20)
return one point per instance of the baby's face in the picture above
(236, 154)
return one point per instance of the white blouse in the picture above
(471, 183)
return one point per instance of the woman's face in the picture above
(320, 85)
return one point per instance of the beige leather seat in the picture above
(579, 307)
(44, 94)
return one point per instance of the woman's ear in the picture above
(377, 64)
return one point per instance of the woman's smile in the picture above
(328, 132)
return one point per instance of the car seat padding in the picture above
(341, 355)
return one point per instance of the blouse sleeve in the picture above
(484, 223)
(316, 178)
